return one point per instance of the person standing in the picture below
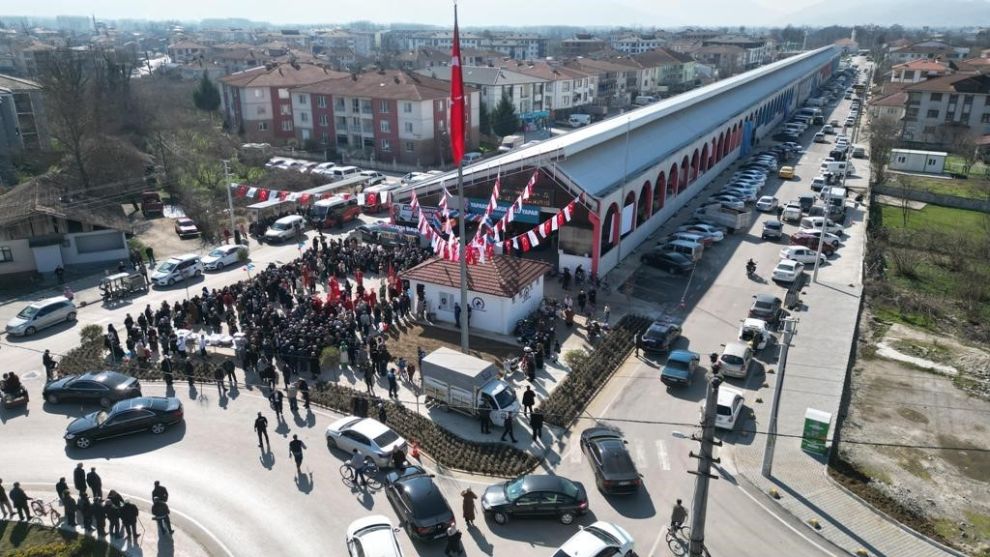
(382, 414)
(304, 390)
(61, 487)
(100, 517)
(49, 362)
(453, 546)
(167, 373)
(457, 315)
(484, 417)
(528, 400)
(468, 506)
(261, 427)
(369, 380)
(151, 256)
(290, 391)
(79, 478)
(160, 512)
(159, 492)
(85, 510)
(95, 483)
(638, 341)
(228, 369)
(20, 501)
(536, 422)
(296, 447)
(5, 502)
(70, 508)
(357, 464)
(129, 516)
(507, 424)
(113, 517)
(393, 384)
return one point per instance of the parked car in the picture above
(285, 228)
(766, 203)
(803, 254)
(371, 438)
(178, 268)
(134, 415)
(728, 408)
(772, 230)
(103, 387)
(225, 256)
(372, 536)
(186, 228)
(374, 177)
(601, 539)
(671, 262)
(680, 368)
(755, 332)
(419, 503)
(660, 336)
(735, 359)
(706, 229)
(787, 271)
(807, 240)
(786, 173)
(766, 307)
(535, 495)
(702, 239)
(614, 470)
(41, 315)
(323, 168)
(729, 201)
(832, 240)
(820, 138)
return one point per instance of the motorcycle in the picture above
(750, 269)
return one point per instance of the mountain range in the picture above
(908, 13)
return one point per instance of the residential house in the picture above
(581, 44)
(565, 88)
(666, 71)
(926, 50)
(618, 78)
(758, 49)
(389, 115)
(939, 109)
(636, 44)
(728, 60)
(919, 70)
(186, 51)
(524, 91)
(888, 106)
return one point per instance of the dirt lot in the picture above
(935, 473)
(159, 233)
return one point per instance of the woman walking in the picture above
(468, 506)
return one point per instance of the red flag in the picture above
(456, 98)
(546, 228)
(282, 195)
(305, 198)
(393, 278)
(242, 190)
(524, 241)
(262, 195)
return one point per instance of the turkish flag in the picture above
(263, 195)
(371, 199)
(547, 228)
(524, 241)
(282, 195)
(305, 198)
(456, 98)
(242, 190)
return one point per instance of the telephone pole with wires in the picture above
(699, 506)
(230, 197)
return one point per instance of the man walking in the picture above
(95, 483)
(129, 516)
(160, 512)
(20, 501)
(507, 424)
(100, 516)
(277, 404)
(536, 422)
(393, 384)
(296, 447)
(79, 478)
(5, 502)
(486, 421)
(228, 369)
(357, 464)
(261, 426)
(528, 400)
(49, 363)
(291, 391)
(304, 391)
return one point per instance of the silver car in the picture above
(41, 315)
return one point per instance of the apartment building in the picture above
(24, 120)
(526, 92)
(565, 88)
(665, 70)
(937, 110)
(523, 47)
(636, 44)
(184, 51)
(918, 70)
(758, 50)
(926, 50)
(618, 79)
(728, 60)
(581, 44)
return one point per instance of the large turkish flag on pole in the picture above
(456, 98)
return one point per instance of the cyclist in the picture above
(677, 516)
(357, 464)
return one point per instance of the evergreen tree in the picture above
(485, 125)
(207, 96)
(503, 119)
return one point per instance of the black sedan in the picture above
(675, 263)
(614, 469)
(766, 307)
(422, 509)
(661, 336)
(535, 495)
(150, 413)
(104, 387)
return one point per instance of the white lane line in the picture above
(662, 455)
(640, 450)
(656, 542)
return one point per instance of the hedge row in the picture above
(569, 399)
(449, 450)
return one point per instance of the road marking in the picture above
(662, 454)
(653, 549)
(640, 451)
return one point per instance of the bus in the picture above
(335, 211)
(389, 235)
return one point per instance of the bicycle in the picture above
(42, 509)
(370, 473)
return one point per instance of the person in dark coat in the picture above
(20, 501)
(86, 510)
(69, 505)
(528, 400)
(261, 427)
(507, 424)
(100, 517)
(79, 478)
(129, 516)
(485, 420)
(5, 502)
(304, 391)
(468, 499)
(61, 487)
(160, 512)
(536, 422)
(160, 492)
(167, 373)
(95, 483)
(453, 546)
(112, 512)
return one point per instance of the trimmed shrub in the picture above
(91, 334)
(574, 358)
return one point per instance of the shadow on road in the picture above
(538, 531)
(637, 505)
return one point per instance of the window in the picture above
(933, 113)
(385, 126)
(263, 126)
(383, 107)
(303, 99)
(929, 130)
(410, 146)
(441, 106)
(409, 125)
(285, 109)
(258, 93)
(441, 125)
(967, 99)
(339, 105)
(287, 125)
(324, 121)
(407, 108)
(985, 119)
(386, 145)
(261, 110)
(5, 254)
(321, 101)
(901, 158)
(283, 94)
(936, 97)
(931, 162)
(342, 139)
(356, 122)
(304, 117)
(953, 98)
(355, 105)
(909, 75)
(368, 142)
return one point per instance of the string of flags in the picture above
(303, 198)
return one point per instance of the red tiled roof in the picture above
(389, 84)
(924, 65)
(503, 276)
(894, 99)
(281, 75)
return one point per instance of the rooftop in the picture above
(387, 84)
(482, 75)
(286, 74)
(15, 84)
(959, 83)
(503, 275)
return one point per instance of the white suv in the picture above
(178, 268)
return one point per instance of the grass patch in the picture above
(927, 350)
(980, 524)
(972, 188)
(891, 314)
(934, 217)
(22, 539)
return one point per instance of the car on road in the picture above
(803, 254)
(772, 230)
(225, 256)
(175, 269)
(786, 173)
(672, 262)
(767, 203)
(735, 359)
(134, 415)
(755, 332)
(614, 470)
(372, 536)
(728, 408)
(829, 129)
(601, 539)
(370, 437)
(535, 495)
(787, 271)
(766, 307)
(705, 229)
(809, 241)
(419, 503)
(373, 176)
(660, 336)
(186, 228)
(729, 201)
(285, 228)
(680, 368)
(792, 212)
(41, 315)
(103, 387)
(820, 138)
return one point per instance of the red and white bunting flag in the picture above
(547, 228)
(524, 242)
(414, 202)
(263, 194)
(493, 202)
(534, 238)
(569, 211)
(282, 195)
(252, 193)
(456, 97)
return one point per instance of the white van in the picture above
(284, 228)
(341, 172)
(837, 167)
(471, 157)
(578, 120)
(693, 250)
(643, 100)
(40, 315)
(174, 269)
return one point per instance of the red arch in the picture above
(695, 161)
(659, 192)
(703, 162)
(673, 181)
(645, 204)
(610, 229)
(685, 171)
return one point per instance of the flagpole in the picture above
(465, 313)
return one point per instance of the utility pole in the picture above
(230, 197)
(699, 507)
(465, 312)
(790, 327)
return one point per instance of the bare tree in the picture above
(906, 183)
(65, 80)
(884, 134)
(964, 145)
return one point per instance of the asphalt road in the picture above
(243, 502)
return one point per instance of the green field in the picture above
(972, 188)
(934, 217)
(22, 539)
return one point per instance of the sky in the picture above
(473, 13)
